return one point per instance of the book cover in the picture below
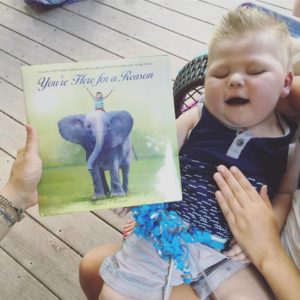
(107, 133)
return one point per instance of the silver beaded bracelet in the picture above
(10, 213)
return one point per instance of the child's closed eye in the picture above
(256, 71)
(220, 75)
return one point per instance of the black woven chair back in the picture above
(188, 86)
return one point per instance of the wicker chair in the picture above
(188, 86)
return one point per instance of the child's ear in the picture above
(287, 84)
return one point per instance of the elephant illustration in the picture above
(105, 136)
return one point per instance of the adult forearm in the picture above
(282, 275)
(9, 202)
(20, 192)
(3, 228)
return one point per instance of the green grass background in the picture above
(70, 188)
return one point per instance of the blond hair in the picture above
(244, 21)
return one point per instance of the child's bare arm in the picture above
(90, 93)
(185, 123)
(109, 93)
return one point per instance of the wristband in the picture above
(10, 213)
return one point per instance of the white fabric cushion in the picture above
(291, 233)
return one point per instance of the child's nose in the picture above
(236, 80)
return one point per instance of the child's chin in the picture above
(237, 124)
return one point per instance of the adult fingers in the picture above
(233, 186)
(240, 257)
(31, 146)
(232, 242)
(228, 213)
(234, 250)
(264, 195)
(223, 186)
(244, 184)
(227, 194)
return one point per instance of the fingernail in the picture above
(233, 169)
(221, 168)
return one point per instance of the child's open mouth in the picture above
(237, 101)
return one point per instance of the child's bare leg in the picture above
(183, 291)
(246, 284)
(180, 292)
(108, 293)
(90, 280)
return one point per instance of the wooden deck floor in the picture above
(39, 258)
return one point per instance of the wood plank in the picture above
(111, 218)
(15, 280)
(160, 16)
(12, 135)
(13, 46)
(27, 50)
(228, 4)
(45, 257)
(232, 4)
(81, 231)
(50, 36)
(12, 101)
(168, 41)
(200, 10)
(10, 69)
(196, 8)
(112, 41)
(5, 162)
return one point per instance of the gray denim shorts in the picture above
(138, 272)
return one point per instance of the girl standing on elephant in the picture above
(99, 99)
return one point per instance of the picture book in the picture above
(107, 133)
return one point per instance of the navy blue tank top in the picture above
(262, 160)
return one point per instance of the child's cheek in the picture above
(213, 88)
